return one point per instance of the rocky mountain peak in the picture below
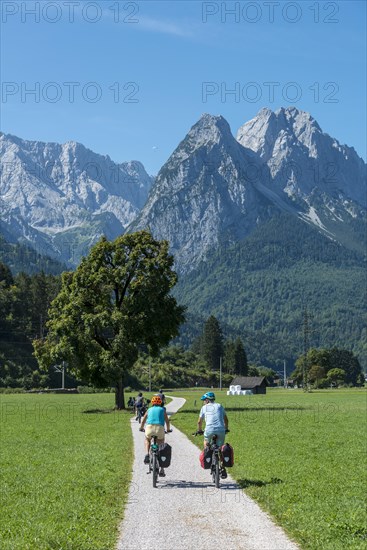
(208, 132)
(276, 130)
(50, 191)
(302, 158)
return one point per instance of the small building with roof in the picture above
(246, 384)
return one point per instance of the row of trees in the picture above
(114, 316)
(323, 367)
(24, 304)
(212, 347)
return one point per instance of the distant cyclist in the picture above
(139, 403)
(216, 422)
(154, 418)
(162, 396)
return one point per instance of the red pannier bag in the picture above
(227, 455)
(206, 458)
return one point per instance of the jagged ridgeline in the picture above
(60, 199)
(261, 225)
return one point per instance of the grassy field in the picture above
(65, 467)
(302, 457)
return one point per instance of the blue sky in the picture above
(129, 79)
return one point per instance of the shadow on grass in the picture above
(245, 483)
(250, 409)
(104, 411)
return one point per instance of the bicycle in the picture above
(216, 467)
(140, 413)
(153, 458)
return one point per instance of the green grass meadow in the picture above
(302, 456)
(65, 468)
(65, 465)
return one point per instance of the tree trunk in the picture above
(119, 395)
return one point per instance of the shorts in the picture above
(220, 437)
(154, 429)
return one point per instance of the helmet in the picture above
(156, 400)
(208, 395)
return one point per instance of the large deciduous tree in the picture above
(117, 300)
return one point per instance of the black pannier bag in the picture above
(206, 458)
(164, 455)
(227, 455)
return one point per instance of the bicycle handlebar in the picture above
(201, 432)
(166, 432)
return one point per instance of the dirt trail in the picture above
(186, 512)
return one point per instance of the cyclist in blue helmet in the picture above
(216, 422)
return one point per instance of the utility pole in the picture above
(63, 376)
(220, 372)
(150, 376)
(61, 368)
(285, 375)
(306, 345)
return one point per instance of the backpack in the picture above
(164, 455)
(227, 455)
(206, 458)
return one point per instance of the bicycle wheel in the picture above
(217, 469)
(155, 469)
(213, 468)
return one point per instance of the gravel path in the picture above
(186, 512)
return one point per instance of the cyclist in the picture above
(139, 402)
(154, 418)
(216, 422)
(162, 396)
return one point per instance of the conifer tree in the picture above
(241, 366)
(229, 361)
(212, 343)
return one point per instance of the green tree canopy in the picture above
(212, 343)
(117, 300)
(229, 359)
(316, 373)
(336, 375)
(328, 359)
(241, 367)
(235, 359)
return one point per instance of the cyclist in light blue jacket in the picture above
(216, 422)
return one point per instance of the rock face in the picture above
(214, 189)
(301, 157)
(61, 198)
(202, 196)
(325, 179)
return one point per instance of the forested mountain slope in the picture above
(262, 285)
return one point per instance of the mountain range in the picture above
(215, 189)
(61, 198)
(254, 222)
